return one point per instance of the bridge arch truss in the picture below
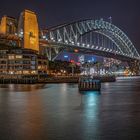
(71, 35)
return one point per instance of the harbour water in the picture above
(61, 112)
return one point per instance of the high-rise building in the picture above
(28, 30)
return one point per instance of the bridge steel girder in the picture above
(82, 50)
(68, 34)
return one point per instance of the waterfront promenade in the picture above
(74, 79)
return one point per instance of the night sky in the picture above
(125, 13)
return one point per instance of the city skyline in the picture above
(125, 14)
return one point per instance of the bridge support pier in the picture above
(53, 52)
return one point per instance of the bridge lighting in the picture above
(107, 49)
(59, 40)
(21, 32)
(83, 44)
(44, 37)
(78, 44)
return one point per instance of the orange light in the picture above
(76, 50)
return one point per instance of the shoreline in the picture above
(57, 80)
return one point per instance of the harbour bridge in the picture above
(89, 37)
(95, 37)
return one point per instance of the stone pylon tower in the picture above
(28, 30)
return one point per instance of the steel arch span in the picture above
(70, 36)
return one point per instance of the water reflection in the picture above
(61, 112)
(33, 118)
(90, 109)
(22, 87)
(21, 115)
(89, 98)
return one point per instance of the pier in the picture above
(89, 84)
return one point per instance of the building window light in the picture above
(18, 56)
(10, 57)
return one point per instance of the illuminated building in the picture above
(42, 64)
(18, 63)
(108, 62)
(25, 30)
(81, 59)
(8, 25)
(28, 30)
(19, 49)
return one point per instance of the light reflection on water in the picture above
(21, 87)
(60, 111)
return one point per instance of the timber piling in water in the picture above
(89, 84)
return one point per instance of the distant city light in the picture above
(78, 63)
(66, 56)
(93, 59)
(76, 51)
(72, 61)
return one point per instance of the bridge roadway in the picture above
(91, 51)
